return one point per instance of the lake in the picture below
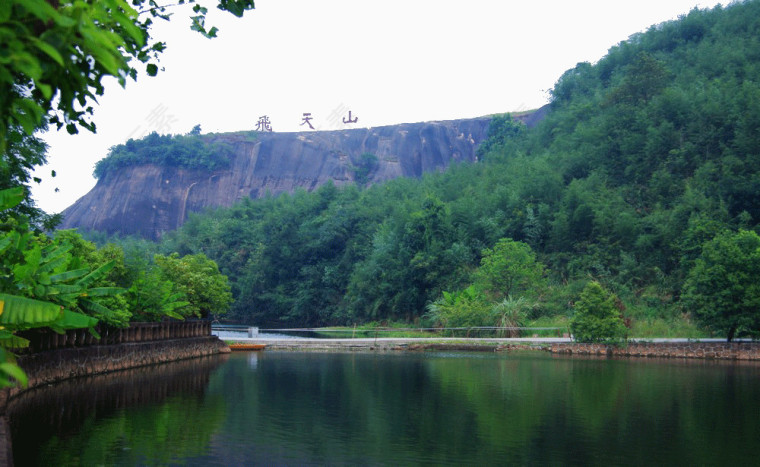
(293, 408)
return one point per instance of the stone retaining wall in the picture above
(57, 365)
(44, 339)
(712, 350)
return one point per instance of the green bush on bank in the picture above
(597, 317)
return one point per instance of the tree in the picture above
(501, 129)
(464, 308)
(644, 78)
(723, 286)
(57, 53)
(152, 297)
(40, 285)
(364, 168)
(23, 153)
(596, 317)
(199, 279)
(508, 268)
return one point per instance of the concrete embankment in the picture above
(61, 364)
(394, 343)
(657, 348)
(687, 349)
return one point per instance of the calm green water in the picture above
(271, 408)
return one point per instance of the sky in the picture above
(395, 61)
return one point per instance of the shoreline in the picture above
(58, 365)
(53, 366)
(715, 349)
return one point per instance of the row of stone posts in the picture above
(46, 339)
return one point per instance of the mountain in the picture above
(646, 157)
(149, 199)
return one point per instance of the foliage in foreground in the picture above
(39, 287)
(55, 56)
(64, 282)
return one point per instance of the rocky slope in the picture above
(149, 200)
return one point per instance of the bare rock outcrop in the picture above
(149, 200)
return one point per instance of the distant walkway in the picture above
(412, 343)
(392, 343)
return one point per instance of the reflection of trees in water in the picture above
(434, 408)
(160, 399)
(586, 411)
(437, 409)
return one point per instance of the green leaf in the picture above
(151, 69)
(8, 340)
(41, 9)
(28, 114)
(24, 313)
(94, 333)
(128, 24)
(96, 274)
(65, 290)
(174, 315)
(68, 275)
(236, 7)
(15, 372)
(95, 307)
(5, 242)
(5, 11)
(73, 320)
(11, 197)
(48, 49)
(105, 291)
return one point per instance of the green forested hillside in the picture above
(645, 156)
(188, 151)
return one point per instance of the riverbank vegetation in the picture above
(61, 281)
(55, 59)
(644, 158)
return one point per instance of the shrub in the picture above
(596, 318)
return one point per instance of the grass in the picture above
(666, 328)
(401, 330)
(644, 327)
(374, 329)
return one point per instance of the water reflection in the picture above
(408, 409)
(97, 420)
(253, 360)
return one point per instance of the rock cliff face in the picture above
(150, 200)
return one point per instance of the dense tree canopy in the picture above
(509, 268)
(190, 151)
(723, 287)
(644, 157)
(198, 279)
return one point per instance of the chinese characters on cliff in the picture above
(264, 124)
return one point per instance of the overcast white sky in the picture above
(394, 61)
